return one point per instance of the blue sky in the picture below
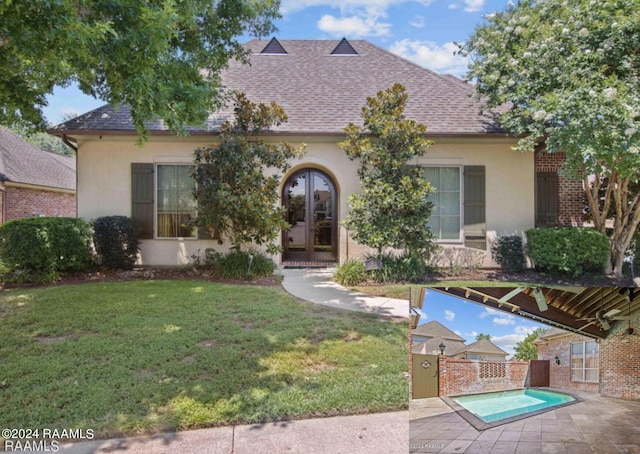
(423, 31)
(468, 319)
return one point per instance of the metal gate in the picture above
(424, 376)
(539, 373)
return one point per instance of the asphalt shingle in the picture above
(322, 93)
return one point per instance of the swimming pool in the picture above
(491, 409)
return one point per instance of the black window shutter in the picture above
(142, 198)
(475, 226)
(546, 199)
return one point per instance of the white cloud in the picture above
(345, 6)
(473, 5)
(354, 26)
(524, 329)
(431, 55)
(449, 315)
(458, 332)
(418, 22)
(70, 112)
(453, 6)
(487, 312)
(505, 319)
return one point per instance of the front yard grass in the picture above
(151, 356)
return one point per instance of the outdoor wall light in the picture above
(557, 361)
(442, 347)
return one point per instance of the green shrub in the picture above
(39, 249)
(116, 242)
(351, 272)
(405, 267)
(508, 252)
(236, 264)
(567, 250)
(456, 260)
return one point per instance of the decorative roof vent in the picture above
(273, 47)
(344, 48)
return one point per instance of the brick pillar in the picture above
(570, 191)
(442, 376)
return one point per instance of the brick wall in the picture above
(462, 376)
(560, 375)
(620, 363)
(26, 203)
(570, 193)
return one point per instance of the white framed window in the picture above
(175, 204)
(446, 217)
(584, 362)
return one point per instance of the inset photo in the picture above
(525, 369)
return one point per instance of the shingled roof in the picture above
(483, 346)
(436, 329)
(21, 162)
(322, 92)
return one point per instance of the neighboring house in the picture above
(34, 182)
(608, 366)
(427, 339)
(483, 188)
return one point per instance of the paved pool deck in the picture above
(597, 425)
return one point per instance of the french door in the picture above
(309, 197)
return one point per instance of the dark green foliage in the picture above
(161, 58)
(508, 252)
(236, 200)
(392, 208)
(351, 272)
(567, 250)
(405, 267)
(116, 241)
(235, 264)
(39, 249)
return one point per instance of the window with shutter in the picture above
(142, 198)
(475, 225)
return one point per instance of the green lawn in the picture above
(141, 357)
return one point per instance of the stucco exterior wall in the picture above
(104, 183)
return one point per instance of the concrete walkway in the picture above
(317, 286)
(362, 434)
(358, 434)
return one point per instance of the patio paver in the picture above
(600, 425)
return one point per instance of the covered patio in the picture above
(597, 425)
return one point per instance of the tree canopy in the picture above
(392, 207)
(237, 199)
(483, 336)
(162, 58)
(526, 350)
(566, 75)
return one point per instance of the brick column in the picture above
(570, 191)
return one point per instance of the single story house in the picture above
(34, 182)
(427, 339)
(483, 188)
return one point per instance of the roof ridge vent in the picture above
(344, 47)
(273, 47)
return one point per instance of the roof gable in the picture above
(21, 162)
(322, 94)
(484, 346)
(344, 48)
(436, 329)
(273, 47)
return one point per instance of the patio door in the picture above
(309, 197)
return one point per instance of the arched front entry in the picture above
(310, 200)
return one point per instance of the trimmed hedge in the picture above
(117, 241)
(39, 249)
(508, 252)
(567, 250)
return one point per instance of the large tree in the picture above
(526, 350)
(567, 77)
(392, 207)
(162, 58)
(237, 178)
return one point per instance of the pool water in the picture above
(491, 407)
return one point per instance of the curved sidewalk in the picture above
(317, 286)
